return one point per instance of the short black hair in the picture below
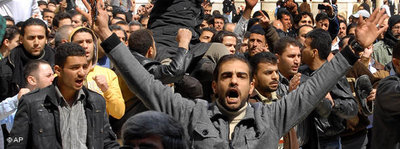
(122, 23)
(41, 3)
(218, 16)
(298, 31)
(219, 36)
(85, 30)
(298, 17)
(281, 44)
(321, 16)
(262, 57)
(258, 13)
(67, 49)
(210, 29)
(281, 12)
(33, 21)
(322, 41)
(8, 18)
(119, 28)
(151, 123)
(231, 57)
(119, 11)
(11, 33)
(73, 13)
(134, 22)
(350, 26)
(140, 41)
(32, 66)
(60, 16)
(47, 10)
(341, 42)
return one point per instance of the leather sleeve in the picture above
(175, 70)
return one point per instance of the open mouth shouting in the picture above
(232, 96)
(79, 82)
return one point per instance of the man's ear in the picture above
(251, 87)
(214, 87)
(6, 42)
(31, 80)
(21, 37)
(277, 57)
(315, 53)
(57, 70)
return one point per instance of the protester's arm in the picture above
(271, 35)
(294, 107)
(115, 104)
(151, 92)
(241, 27)
(8, 106)
(388, 95)
(175, 70)
(22, 127)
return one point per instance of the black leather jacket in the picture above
(37, 121)
(167, 73)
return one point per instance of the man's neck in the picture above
(316, 64)
(69, 95)
(265, 94)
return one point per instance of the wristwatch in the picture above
(356, 46)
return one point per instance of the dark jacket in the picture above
(37, 121)
(167, 73)
(386, 130)
(11, 76)
(345, 107)
(205, 125)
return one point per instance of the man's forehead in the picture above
(234, 65)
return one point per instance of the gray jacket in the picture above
(205, 126)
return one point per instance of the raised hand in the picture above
(367, 31)
(264, 21)
(101, 82)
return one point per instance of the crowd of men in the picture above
(175, 74)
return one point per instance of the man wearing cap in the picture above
(364, 13)
(384, 48)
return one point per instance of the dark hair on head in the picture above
(396, 51)
(8, 18)
(298, 31)
(258, 13)
(246, 35)
(209, 18)
(341, 21)
(298, 17)
(140, 41)
(59, 17)
(142, 17)
(47, 10)
(67, 49)
(74, 13)
(252, 22)
(281, 44)
(322, 41)
(32, 66)
(33, 21)
(231, 57)
(218, 16)
(119, 28)
(134, 22)
(210, 29)
(262, 57)
(216, 12)
(219, 36)
(52, 2)
(281, 12)
(350, 26)
(321, 16)
(41, 3)
(118, 11)
(341, 42)
(152, 123)
(11, 33)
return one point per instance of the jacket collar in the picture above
(52, 96)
